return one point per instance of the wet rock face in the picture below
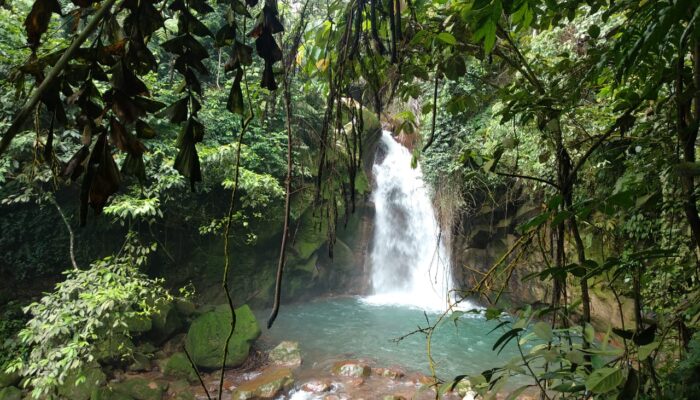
(207, 336)
(267, 385)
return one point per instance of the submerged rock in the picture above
(286, 353)
(207, 336)
(391, 373)
(267, 385)
(10, 393)
(316, 386)
(351, 368)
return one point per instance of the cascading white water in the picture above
(409, 262)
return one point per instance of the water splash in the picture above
(410, 265)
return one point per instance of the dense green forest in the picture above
(176, 174)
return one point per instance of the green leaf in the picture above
(447, 37)
(645, 350)
(594, 31)
(543, 331)
(604, 380)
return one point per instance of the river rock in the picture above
(316, 386)
(94, 377)
(10, 393)
(391, 373)
(267, 385)
(207, 336)
(351, 368)
(178, 366)
(286, 353)
(141, 389)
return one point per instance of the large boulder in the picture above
(76, 388)
(270, 383)
(207, 336)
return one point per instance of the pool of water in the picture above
(349, 328)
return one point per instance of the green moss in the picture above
(80, 384)
(207, 336)
(178, 366)
(10, 393)
(141, 389)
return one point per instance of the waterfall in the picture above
(409, 262)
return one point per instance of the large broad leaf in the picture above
(543, 331)
(187, 163)
(101, 180)
(38, 19)
(235, 98)
(176, 112)
(604, 380)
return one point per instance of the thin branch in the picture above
(70, 230)
(532, 178)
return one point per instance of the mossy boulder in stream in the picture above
(207, 336)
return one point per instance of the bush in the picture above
(89, 307)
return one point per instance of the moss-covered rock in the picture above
(139, 323)
(140, 363)
(266, 386)
(8, 378)
(108, 393)
(184, 306)
(286, 353)
(75, 388)
(180, 390)
(207, 336)
(166, 322)
(10, 393)
(178, 366)
(113, 349)
(141, 389)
